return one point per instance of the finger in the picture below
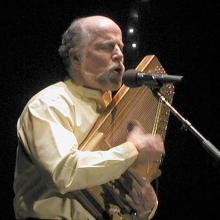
(130, 186)
(149, 196)
(119, 199)
(154, 143)
(139, 198)
(138, 187)
(130, 202)
(146, 191)
(134, 174)
(134, 124)
(124, 184)
(126, 199)
(159, 143)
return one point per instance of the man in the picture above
(49, 164)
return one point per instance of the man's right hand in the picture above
(150, 147)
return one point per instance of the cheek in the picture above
(97, 62)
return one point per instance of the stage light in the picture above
(134, 45)
(131, 30)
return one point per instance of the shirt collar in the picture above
(101, 98)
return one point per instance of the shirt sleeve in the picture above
(47, 132)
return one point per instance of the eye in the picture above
(108, 46)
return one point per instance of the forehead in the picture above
(103, 29)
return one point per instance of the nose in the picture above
(118, 54)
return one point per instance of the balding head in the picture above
(93, 23)
(80, 32)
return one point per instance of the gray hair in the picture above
(70, 39)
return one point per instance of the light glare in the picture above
(131, 30)
(134, 45)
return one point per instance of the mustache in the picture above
(115, 67)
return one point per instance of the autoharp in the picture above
(111, 130)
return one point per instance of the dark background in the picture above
(182, 34)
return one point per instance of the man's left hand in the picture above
(136, 192)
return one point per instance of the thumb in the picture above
(136, 127)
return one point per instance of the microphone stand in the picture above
(188, 126)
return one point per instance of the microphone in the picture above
(134, 78)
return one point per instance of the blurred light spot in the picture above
(133, 45)
(131, 30)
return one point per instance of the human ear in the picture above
(74, 56)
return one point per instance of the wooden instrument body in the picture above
(111, 128)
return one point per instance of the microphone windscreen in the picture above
(130, 78)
